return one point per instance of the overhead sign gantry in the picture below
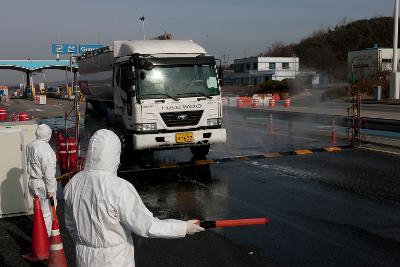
(28, 66)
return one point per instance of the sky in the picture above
(235, 28)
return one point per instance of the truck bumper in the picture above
(167, 140)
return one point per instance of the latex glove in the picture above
(192, 227)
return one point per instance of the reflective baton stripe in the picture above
(67, 152)
(55, 232)
(56, 247)
(67, 144)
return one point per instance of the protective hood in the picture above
(43, 133)
(103, 152)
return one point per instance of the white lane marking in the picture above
(380, 150)
(296, 137)
(385, 138)
(292, 172)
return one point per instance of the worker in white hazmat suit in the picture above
(101, 209)
(41, 168)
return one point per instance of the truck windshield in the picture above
(178, 81)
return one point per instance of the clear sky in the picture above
(236, 28)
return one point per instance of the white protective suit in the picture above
(41, 167)
(102, 209)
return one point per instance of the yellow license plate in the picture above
(184, 137)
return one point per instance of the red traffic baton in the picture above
(234, 223)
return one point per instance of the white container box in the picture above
(14, 195)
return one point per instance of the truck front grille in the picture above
(185, 118)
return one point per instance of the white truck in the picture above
(162, 94)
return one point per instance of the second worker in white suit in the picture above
(41, 167)
(102, 209)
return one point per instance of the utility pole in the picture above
(394, 81)
(225, 60)
(44, 79)
(66, 79)
(72, 77)
(294, 64)
(142, 18)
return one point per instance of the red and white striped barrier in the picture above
(256, 101)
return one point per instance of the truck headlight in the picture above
(214, 122)
(145, 127)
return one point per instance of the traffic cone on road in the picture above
(40, 240)
(57, 256)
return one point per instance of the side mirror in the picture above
(220, 73)
(142, 75)
(148, 65)
(145, 64)
(131, 75)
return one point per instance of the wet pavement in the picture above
(54, 108)
(325, 209)
(316, 220)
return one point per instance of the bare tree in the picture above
(279, 49)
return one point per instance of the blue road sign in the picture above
(64, 49)
(89, 47)
(74, 49)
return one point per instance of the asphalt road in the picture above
(325, 209)
(322, 212)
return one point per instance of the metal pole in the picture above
(32, 85)
(395, 35)
(294, 65)
(394, 86)
(66, 79)
(76, 107)
(44, 78)
(144, 33)
(70, 69)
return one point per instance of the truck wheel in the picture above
(200, 152)
(145, 157)
(125, 144)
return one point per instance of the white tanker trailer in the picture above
(163, 94)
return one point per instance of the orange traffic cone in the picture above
(40, 239)
(57, 256)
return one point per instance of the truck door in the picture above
(118, 105)
(123, 92)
